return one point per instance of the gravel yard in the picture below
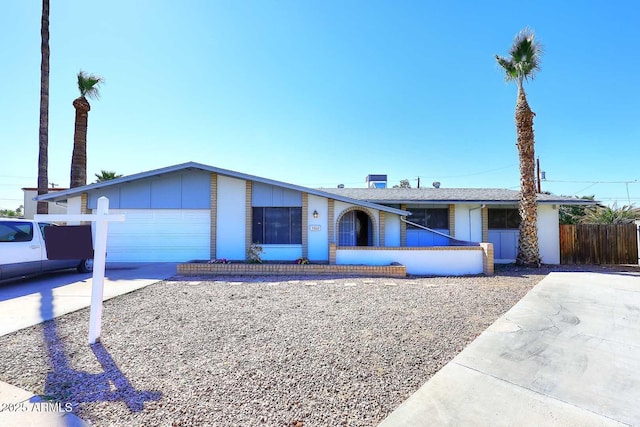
(259, 351)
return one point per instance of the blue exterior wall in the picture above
(265, 195)
(180, 190)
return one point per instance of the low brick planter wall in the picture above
(198, 269)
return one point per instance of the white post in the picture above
(99, 262)
(101, 219)
(638, 239)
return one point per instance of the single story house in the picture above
(193, 211)
(31, 206)
(472, 214)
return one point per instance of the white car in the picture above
(23, 252)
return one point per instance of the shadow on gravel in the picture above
(67, 385)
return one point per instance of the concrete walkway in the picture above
(567, 354)
(20, 301)
(20, 307)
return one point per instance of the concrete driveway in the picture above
(567, 354)
(20, 300)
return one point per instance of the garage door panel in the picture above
(160, 235)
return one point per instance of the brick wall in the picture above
(452, 220)
(191, 269)
(487, 259)
(305, 225)
(485, 224)
(214, 214)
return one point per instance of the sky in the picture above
(321, 93)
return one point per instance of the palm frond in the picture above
(525, 55)
(509, 68)
(89, 85)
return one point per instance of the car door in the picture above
(20, 249)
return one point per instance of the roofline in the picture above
(487, 201)
(226, 172)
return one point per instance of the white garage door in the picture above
(153, 235)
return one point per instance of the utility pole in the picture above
(538, 173)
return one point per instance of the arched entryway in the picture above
(355, 229)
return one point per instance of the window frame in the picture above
(424, 218)
(508, 220)
(264, 228)
(16, 227)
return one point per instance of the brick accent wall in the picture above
(487, 259)
(305, 225)
(382, 228)
(248, 216)
(485, 224)
(331, 221)
(332, 253)
(214, 215)
(403, 229)
(84, 202)
(196, 269)
(452, 220)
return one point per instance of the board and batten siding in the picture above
(267, 195)
(178, 190)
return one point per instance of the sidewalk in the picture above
(567, 354)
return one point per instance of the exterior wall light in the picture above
(315, 214)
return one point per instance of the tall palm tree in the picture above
(89, 87)
(522, 65)
(43, 137)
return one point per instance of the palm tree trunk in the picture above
(528, 250)
(43, 137)
(79, 156)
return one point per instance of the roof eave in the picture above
(64, 195)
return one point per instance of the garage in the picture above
(159, 235)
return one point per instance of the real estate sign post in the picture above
(101, 218)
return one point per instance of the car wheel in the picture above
(86, 266)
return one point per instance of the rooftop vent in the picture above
(376, 181)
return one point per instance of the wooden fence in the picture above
(598, 244)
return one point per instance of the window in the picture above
(434, 218)
(11, 231)
(273, 226)
(504, 219)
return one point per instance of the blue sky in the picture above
(323, 93)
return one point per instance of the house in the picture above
(31, 206)
(472, 214)
(193, 211)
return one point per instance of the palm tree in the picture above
(106, 176)
(88, 85)
(611, 214)
(43, 144)
(521, 66)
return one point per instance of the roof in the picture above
(73, 192)
(447, 195)
(50, 190)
